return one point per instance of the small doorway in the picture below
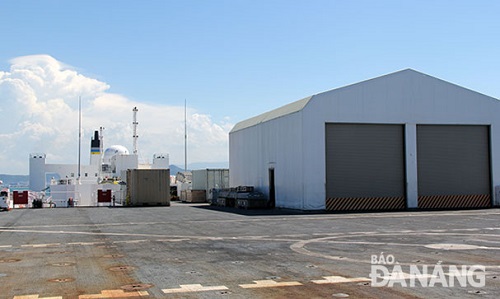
(272, 190)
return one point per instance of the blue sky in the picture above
(235, 59)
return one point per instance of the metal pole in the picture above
(79, 136)
(134, 124)
(101, 145)
(185, 135)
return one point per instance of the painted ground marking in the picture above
(114, 294)
(191, 288)
(339, 279)
(269, 284)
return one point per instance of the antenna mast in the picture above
(79, 136)
(185, 136)
(101, 142)
(134, 124)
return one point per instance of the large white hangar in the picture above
(405, 140)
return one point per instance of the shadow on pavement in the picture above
(258, 212)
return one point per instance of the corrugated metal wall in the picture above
(453, 166)
(206, 179)
(148, 187)
(276, 143)
(365, 167)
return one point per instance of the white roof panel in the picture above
(276, 113)
(299, 105)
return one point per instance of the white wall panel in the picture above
(276, 143)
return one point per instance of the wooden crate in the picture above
(195, 196)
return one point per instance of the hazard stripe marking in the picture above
(365, 203)
(454, 201)
(115, 294)
(339, 279)
(191, 288)
(269, 284)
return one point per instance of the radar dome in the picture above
(112, 151)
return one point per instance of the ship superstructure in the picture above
(106, 171)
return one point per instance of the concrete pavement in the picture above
(198, 251)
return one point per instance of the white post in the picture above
(411, 166)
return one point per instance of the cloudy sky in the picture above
(230, 60)
(40, 99)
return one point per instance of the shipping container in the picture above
(210, 179)
(148, 187)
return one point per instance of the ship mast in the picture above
(185, 136)
(134, 124)
(79, 137)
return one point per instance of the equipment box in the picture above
(250, 203)
(226, 202)
(196, 196)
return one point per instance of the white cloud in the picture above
(39, 114)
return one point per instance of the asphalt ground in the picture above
(198, 251)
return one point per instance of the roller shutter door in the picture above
(453, 166)
(365, 167)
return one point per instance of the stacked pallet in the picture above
(241, 197)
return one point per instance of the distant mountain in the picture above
(205, 165)
(23, 180)
(201, 165)
(16, 180)
(174, 169)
